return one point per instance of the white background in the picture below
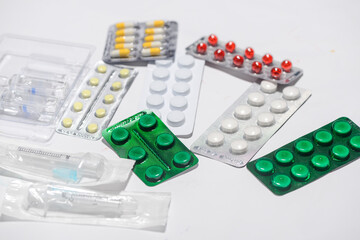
(217, 201)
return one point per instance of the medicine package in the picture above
(309, 157)
(171, 91)
(90, 170)
(140, 41)
(247, 125)
(96, 101)
(243, 63)
(27, 201)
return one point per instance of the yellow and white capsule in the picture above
(157, 37)
(147, 52)
(152, 31)
(125, 39)
(120, 53)
(126, 32)
(122, 25)
(124, 45)
(156, 23)
(155, 44)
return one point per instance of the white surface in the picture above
(217, 201)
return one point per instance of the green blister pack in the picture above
(309, 157)
(158, 153)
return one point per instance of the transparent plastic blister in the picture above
(96, 101)
(236, 136)
(59, 204)
(171, 91)
(36, 78)
(140, 41)
(90, 170)
(243, 62)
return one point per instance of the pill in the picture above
(219, 55)
(256, 67)
(175, 118)
(264, 167)
(320, 162)
(163, 63)
(252, 132)
(281, 181)
(85, 93)
(100, 113)
(186, 61)
(230, 47)
(286, 65)
(155, 101)
(212, 39)
(341, 128)
(249, 53)
(67, 122)
(109, 99)
(355, 143)
(284, 157)
(78, 106)
(181, 88)
(154, 44)
(276, 73)
(165, 141)
(156, 23)
(323, 137)
(340, 152)
(94, 81)
(183, 74)
(137, 153)
(122, 25)
(157, 37)
(161, 73)
(242, 112)
(158, 87)
(291, 93)
(124, 73)
(201, 48)
(122, 53)
(215, 139)
(147, 52)
(238, 61)
(126, 32)
(182, 159)
(278, 106)
(265, 119)
(268, 87)
(120, 135)
(304, 147)
(101, 69)
(147, 122)
(229, 125)
(178, 103)
(256, 99)
(267, 59)
(125, 39)
(116, 86)
(239, 146)
(124, 45)
(300, 172)
(154, 173)
(92, 128)
(152, 31)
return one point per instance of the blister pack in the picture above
(42, 202)
(140, 41)
(96, 101)
(309, 157)
(158, 153)
(246, 125)
(243, 62)
(90, 170)
(171, 90)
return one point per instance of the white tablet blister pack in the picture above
(236, 136)
(96, 101)
(171, 91)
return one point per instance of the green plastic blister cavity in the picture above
(158, 153)
(308, 157)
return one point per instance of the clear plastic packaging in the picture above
(60, 204)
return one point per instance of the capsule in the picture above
(120, 53)
(147, 52)
(156, 23)
(158, 37)
(124, 45)
(152, 31)
(125, 39)
(122, 25)
(155, 44)
(126, 32)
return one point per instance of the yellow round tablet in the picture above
(124, 73)
(101, 69)
(92, 128)
(94, 81)
(116, 86)
(78, 106)
(100, 113)
(109, 99)
(67, 122)
(86, 93)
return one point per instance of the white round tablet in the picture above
(178, 102)
(175, 118)
(291, 93)
(163, 63)
(158, 87)
(183, 74)
(155, 101)
(181, 88)
(239, 146)
(265, 119)
(268, 87)
(278, 106)
(229, 125)
(215, 139)
(186, 61)
(256, 99)
(242, 112)
(252, 133)
(161, 73)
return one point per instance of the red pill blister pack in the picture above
(237, 61)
